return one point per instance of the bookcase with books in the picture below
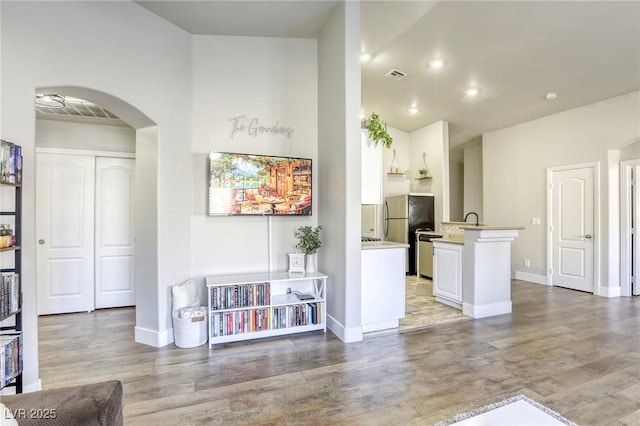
(10, 265)
(252, 306)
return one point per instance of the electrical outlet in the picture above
(527, 263)
(535, 221)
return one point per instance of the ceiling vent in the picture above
(396, 75)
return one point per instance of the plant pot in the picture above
(312, 259)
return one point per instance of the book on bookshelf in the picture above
(11, 162)
(240, 296)
(10, 357)
(9, 294)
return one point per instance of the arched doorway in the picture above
(144, 132)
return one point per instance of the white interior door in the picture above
(572, 228)
(114, 250)
(64, 229)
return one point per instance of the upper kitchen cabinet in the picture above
(371, 170)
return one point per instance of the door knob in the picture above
(588, 236)
(41, 242)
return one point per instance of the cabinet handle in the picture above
(588, 236)
(41, 242)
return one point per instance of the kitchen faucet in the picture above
(472, 213)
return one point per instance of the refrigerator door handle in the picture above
(386, 219)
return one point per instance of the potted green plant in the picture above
(378, 130)
(309, 243)
(423, 172)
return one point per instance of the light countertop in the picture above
(491, 228)
(449, 240)
(374, 245)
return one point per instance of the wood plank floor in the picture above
(573, 352)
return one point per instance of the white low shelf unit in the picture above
(252, 306)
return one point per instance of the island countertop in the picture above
(374, 245)
(491, 228)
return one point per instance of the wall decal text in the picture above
(252, 127)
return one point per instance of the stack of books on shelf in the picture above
(296, 315)
(10, 162)
(239, 322)
(9, 294)
(10, 357)
(240, 296)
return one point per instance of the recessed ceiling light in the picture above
(552, 96)
(472, 91)
(364, 57)
(413, 109)
(436, 64)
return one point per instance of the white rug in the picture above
(515, 411)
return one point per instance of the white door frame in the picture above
(625, 224)
(595, 166)
(94, 153)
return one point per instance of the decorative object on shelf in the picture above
(309, 242)
(296, 262)
(11, 336)
(395, 169)
(377, 130)
(423, 172)
(50, 100)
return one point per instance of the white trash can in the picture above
(190, 332)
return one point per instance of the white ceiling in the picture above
(514, 52)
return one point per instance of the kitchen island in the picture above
(472, 270)
(383, 284)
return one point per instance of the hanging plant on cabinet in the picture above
(378, 130)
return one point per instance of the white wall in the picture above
(456, 189)
(135, 57)
(339, 167)
(396, 184)
(434, 141)
(275, 81)
(515, 162)
(68, 135)
(473, 179)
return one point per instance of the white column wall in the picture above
(339, 167)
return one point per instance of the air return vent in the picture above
(395, 74)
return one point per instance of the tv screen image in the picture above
(245, 184)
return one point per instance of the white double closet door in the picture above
(85, 232)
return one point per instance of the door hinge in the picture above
(550, 271)
(550, 228)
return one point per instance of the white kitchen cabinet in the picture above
(371, 169)
(383, 285)
(447, 273)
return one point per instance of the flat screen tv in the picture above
(244, 184)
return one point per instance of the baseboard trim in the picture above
(347, 335)
(33, 387)
(157, 339)
(532, 278)
(609, 291)
(379, 326)
(489, 310)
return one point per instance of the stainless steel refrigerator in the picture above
(403, 215)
